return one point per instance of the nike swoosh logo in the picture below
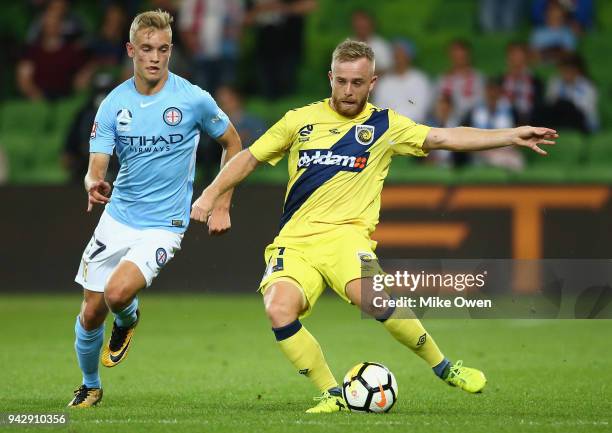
(383, 398)
(118, 357)
(143, 105)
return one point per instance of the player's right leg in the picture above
(101, 256)
(284, 302)
(89, 330)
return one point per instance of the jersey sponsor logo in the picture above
(94, 128)
(144, 144)
(124, 120)
(322, 157)
(364, 134)
(334, 131)
(172, 116)
(161, 257)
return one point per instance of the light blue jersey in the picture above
(155, 138)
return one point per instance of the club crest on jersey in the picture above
(173, 116)
(364, 134)
(124, 120)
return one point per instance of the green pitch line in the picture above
(210, 363)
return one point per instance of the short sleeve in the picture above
(407, 137)
(211, 118)
(271, 146)
(102, 137)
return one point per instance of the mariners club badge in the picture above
(364, 134)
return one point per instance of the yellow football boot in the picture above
(328, 403)
(466, 378)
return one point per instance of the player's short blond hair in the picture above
(350, 50)
(158, 19)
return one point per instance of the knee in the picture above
(281, 311)
(92, 317)
(371, 302)
(117, 295)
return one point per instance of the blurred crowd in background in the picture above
(60, 57)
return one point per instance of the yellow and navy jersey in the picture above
(337, 165)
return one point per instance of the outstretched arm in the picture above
(230, 175)
(467, 139)
(97, 188)
(220, 221)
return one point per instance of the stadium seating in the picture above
(33, 133)
(569, 151)
(599, 161)
(484, 175)
(404, 171)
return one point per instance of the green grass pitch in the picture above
(203, 363)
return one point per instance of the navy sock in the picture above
(441, 370)
(335, 391)
(287, 331)
(384, 316)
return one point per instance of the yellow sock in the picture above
(304, 352)
(411, 334)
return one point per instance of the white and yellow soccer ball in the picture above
(369, 387)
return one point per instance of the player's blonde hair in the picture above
(158, 19)
(350, 50)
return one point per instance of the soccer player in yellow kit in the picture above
(339, 153)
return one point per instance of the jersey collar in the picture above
(154, 95)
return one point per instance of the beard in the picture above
(349, 107)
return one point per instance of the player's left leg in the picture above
(411, 333)
(285, 301)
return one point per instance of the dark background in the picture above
(43, 231)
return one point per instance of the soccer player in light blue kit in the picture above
(153, 122)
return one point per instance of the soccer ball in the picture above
(369, 387)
